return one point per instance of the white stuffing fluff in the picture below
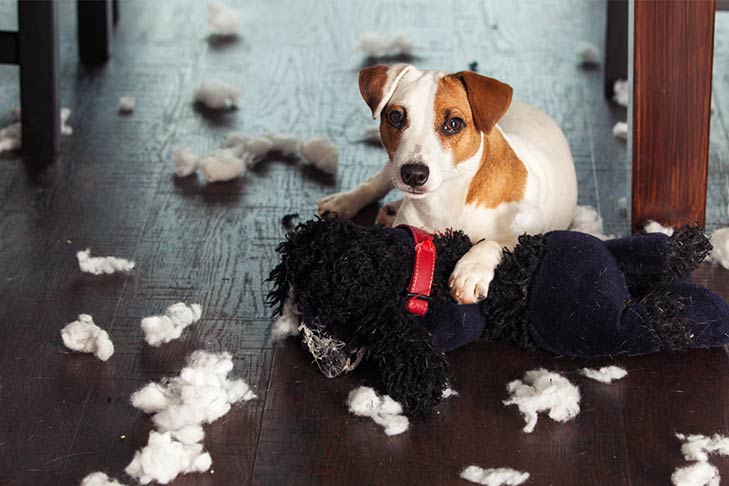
(622, 202)
(287, 323)
(165, 328)
(217, 95)
(185, 160)
(201, 393)
(494, 477)
(606, 374)
(222, 165)
(720, 251)
(127, 104)
(102, 265)
(542, 391)
(588, 53)
(240, 152)
(620, 130)
(697, 474)
(656, 227)
(10, 137)
(222, 20)
(621, 92)
(697, 447)
(164, 458)
(65, 128)
(321, 153)
(449, 392)
(99, 479)
(374, 45)
(587, 220)
(84, 336)
(383, 410)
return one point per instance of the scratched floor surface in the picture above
(63, 415)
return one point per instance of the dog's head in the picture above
(431, 121)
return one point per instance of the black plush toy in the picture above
(565, 292)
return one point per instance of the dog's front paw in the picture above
(342, 205)
(470, 280)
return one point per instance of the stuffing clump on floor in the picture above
(84, 336)
(165, 328)
(102, 265)
(606, 374)
(720, 247)
(494, 476)
(620, 130)
(621, 92)
(65, 128)
(697, 447)
(127, 104)
(588, 220)
(655, 227)
(10, 137)
(202, 393)
(240, 152)
(99, 479)
(375, 46)
(542, 391)
(287, 323)
(696, 474)
(588, 54)
(383, 410)
(217, 95)
(223, 21)
(164, 458)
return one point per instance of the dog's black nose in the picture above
(414, 175)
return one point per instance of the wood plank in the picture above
(673, 54)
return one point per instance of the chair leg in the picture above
(616, 44)
(115, 6)
(94, 30)
(38, 60)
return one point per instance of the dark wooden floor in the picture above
(63, 415)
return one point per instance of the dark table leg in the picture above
(616, 44)
(38, 59)
(94, 30)
(673, 56)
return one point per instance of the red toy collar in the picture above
(421, 281)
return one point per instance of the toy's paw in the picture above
(342, 206)
(386, 216)
(470, 280)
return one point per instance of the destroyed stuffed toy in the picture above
(363, 292)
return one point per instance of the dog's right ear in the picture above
(378, 83)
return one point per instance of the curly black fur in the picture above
(687, 248)
(506, 304)
(666, 311)
(351, 282)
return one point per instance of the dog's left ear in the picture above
(489, 99)
(377, 84)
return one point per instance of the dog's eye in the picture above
(396, 118)
(453, 125)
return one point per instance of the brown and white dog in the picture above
(458, 168)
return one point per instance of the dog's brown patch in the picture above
(372, 82)
(390, 135)
(489, 99)
(501, 177)
(451, 100)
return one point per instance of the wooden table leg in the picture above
(672, 65)
(38, 60)
(95, 19)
